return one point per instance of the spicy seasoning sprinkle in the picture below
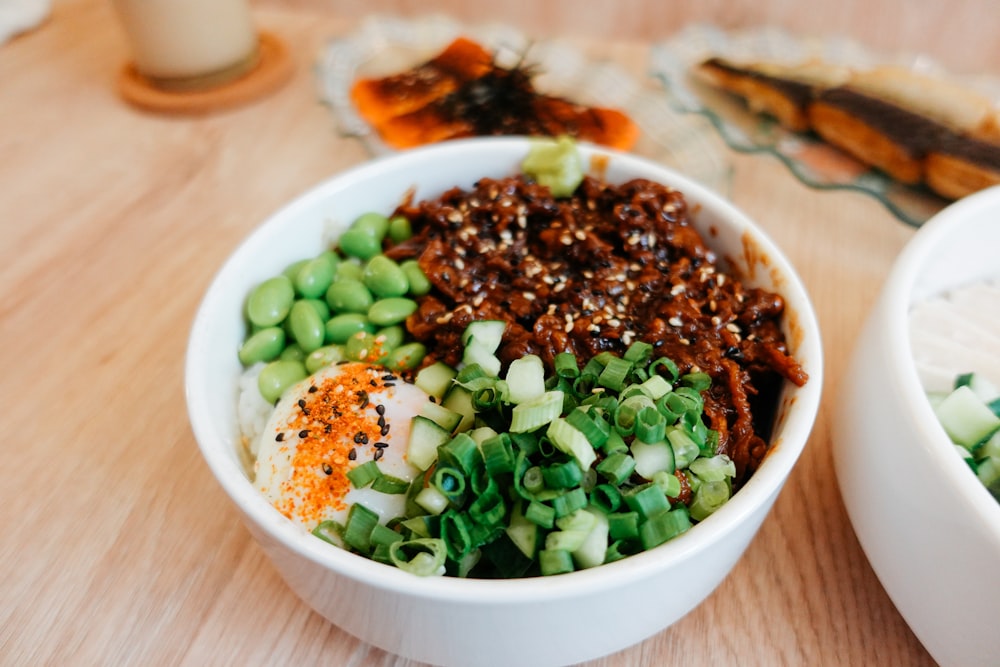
(335, 422)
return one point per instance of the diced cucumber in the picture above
(523, 533)
(479, 353)
(595, 546)
(435, 380)
(570, 440)
(526, 379)
(458, 399)
(487, 333)
(652, 457)
(425, 438)
(442, 416)
(966, 418)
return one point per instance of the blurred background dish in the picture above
(809, 159)
(384, 45)
(929, 528)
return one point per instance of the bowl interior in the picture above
(312, 221)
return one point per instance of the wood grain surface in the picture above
(117, 546)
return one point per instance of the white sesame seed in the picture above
(459, 264)
(733, 327)
(614, 322)
(559, 287)
(566, 239)
(677, 289)
(454, 216)
(580, 235)
(529, 296)
(675, 321)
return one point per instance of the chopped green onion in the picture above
(364, 474)
(714, 469)
(555, 561)
(536, 413)
(668, 483)
(649, 424)
(432, 500)
(569, 502)
(685, 449)
(593, 427)
(540, 514)
(566, 365)
(656, 387)
(616, 468)
(498, 455)
(664, 526)
(668, 366)
(570, 440)
(710, 496)
(615, 373)
(606, 497)
(638, 353)
(648, 500)
(565, 475)
(422, 557)
(451, 483)
(390, 484)
(623, 525)
(697, 381)
(330, 531)
(361, 521)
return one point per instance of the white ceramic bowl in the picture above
(539, 621)
(929, 529)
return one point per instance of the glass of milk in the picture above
(189, 44)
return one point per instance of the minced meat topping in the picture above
(594, 272)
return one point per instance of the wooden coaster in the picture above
(273, 69)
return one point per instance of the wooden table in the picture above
(119, 548)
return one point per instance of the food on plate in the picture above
(917, 129)
(562, 380)
(462, 92)
(955, 338)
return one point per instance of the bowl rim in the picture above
(898, 297)
(759, 491)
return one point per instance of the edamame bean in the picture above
(323, 357)
(400, 229)
(350, 268)
(348, 295)
(386, 312)
(359, 243)
(362, 346)
(307, 327)
(293, 352)
(384, 277)
(406, 357)
(341, 327)
(320, 306)
(372, 223)
(314, 277)
(270, 302)
(292, 269)
(264, 345)
(278, 376)
(415, 276)
(390, 337)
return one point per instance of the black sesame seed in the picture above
(352, 455)
(380, 445)
(378, 454)
(304, 433)
(380, 409)
(381, 421)
(327, 469)
(385, 430)
(389, 377)
(389, 384)
(313, 389)
(279, 437)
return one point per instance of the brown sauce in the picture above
(595, 272)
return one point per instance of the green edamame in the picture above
(386, 312)
(348, 295)
(359, 243)
(400, 229)
(307, 326)
(362, 346)
(350, 268)
(341, 327)
(314, 277)
(415, 276)
(384, 277)
(374, 224)
(278, 376)
(293, 269)
(323, 357)
(293, 352)
(406, 357)
(320, 306)
(270, 302)
(390, 337)
(264, 345)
